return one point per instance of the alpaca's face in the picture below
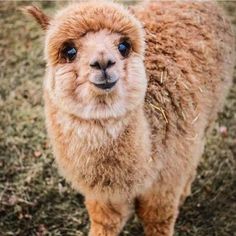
(96, 76)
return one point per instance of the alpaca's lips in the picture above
(105, 85)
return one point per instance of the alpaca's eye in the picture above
(124, 48)
(69, 52)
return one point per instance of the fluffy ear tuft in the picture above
(38, 14)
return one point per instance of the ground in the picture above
(34, 200)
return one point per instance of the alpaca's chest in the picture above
(101, 163)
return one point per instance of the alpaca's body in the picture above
(150, 153)
(189, 61)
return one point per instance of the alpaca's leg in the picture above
(158, 210)
(107, 219)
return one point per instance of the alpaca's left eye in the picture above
(69, 52)
(124, 48)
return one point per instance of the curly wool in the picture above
(189, 61)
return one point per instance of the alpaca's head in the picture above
(94, 53)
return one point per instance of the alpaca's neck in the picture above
(98, 132)
(93, 134)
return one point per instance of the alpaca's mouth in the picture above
(105, 86)
(104, 80)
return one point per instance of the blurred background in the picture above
(34, 200)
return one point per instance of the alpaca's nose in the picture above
(102, 64)
(104, 79)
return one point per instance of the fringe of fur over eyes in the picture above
(94, 17)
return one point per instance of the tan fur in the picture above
(40, 17)
(122, 146)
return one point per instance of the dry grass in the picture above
(34, 200)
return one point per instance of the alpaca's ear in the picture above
(38, 14)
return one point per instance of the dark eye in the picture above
(69, 52)
(124, 48)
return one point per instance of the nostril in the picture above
(110, 63)
(102, 65)
(95, 65)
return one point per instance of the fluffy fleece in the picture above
(122, 146)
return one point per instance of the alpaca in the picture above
(130, 95)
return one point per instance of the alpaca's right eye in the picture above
(69, 52)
